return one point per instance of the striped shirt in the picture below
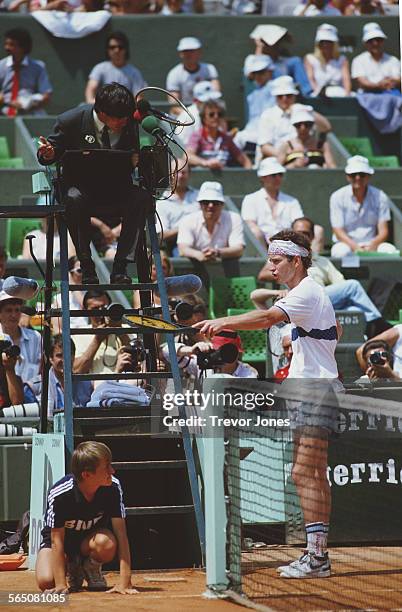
(68, 508)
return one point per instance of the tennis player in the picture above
(314, 336)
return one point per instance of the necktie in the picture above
(11, 112)
(105, 138)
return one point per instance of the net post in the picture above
(214, 491)
(232, 461)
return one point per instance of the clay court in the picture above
(367, 578)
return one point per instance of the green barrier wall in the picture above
(153, 42)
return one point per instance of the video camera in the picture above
(184, 311)
(10, 349)
(138, 354)
(209, 360)
(114, 312)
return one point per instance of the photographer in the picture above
(82, 389)
(195, 355)
(98, 354)
(377, 361)
(11, 387)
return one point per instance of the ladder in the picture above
(174, 455)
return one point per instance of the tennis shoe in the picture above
(93, 574)
(295, 563)
(75, 574)
(309, 566)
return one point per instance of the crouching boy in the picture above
(76, 538)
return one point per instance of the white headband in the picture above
(287, 247)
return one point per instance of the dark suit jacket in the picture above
(75, 130)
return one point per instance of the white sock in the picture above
(317, 538)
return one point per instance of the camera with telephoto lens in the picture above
(10, 349)
(138, 354)
(209, 360)
(378, 358)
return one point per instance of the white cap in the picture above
(204, 92)
(302, 113)
(270, 34)
(5, 296)
(255, 63)
(326, 31)
(358, 163)
(283, 85)
(211, 191)
(372, 30)
(270, 165)
(189, 43)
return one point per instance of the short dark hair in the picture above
(306, 220)
(376, 344)
(22, 37)
(122, 39)
(298, 239)
(115, 100)
(72, 261)
(56, 341)
(94, 294)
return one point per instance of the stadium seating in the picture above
(4, 148)
(11, 162)
(254, 341)
(16, 231)
(230, 293)
(358, 146)
(384, 161)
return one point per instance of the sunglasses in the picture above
(362, 174)
(307, 124)
(285, 96)
(214, 114)
(76, 270)
(213, 202)
(120, 47)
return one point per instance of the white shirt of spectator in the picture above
(188, 131)
(28, 363)
(172, 210)
(255, 207)
(275, 127)
(39, 244)
(324, 272)
(181, 80)
(228, 231)
(308, 306)
(74, 304)
(329, 73)
(313, 11)
(127, 75)
(359, 220)
(397, 352)
(364, 65)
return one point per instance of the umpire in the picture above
(108, 124)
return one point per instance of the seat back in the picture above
(384, 161)
(227, 293)
(358, 146)
(16, 231)
(4, 148)
(254, 341)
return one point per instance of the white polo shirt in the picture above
(255, 207)
(228, 231)
(313, 11)
(359, 220)
(181, 80)
(275, 127)
(172, 210)
(314, 334)
(364, 65)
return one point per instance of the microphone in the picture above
(144, 109)
(22, 288)
(182, 285)
(151, 126)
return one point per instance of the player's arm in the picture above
(256, 319)
(58, 560)
(124, 585)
